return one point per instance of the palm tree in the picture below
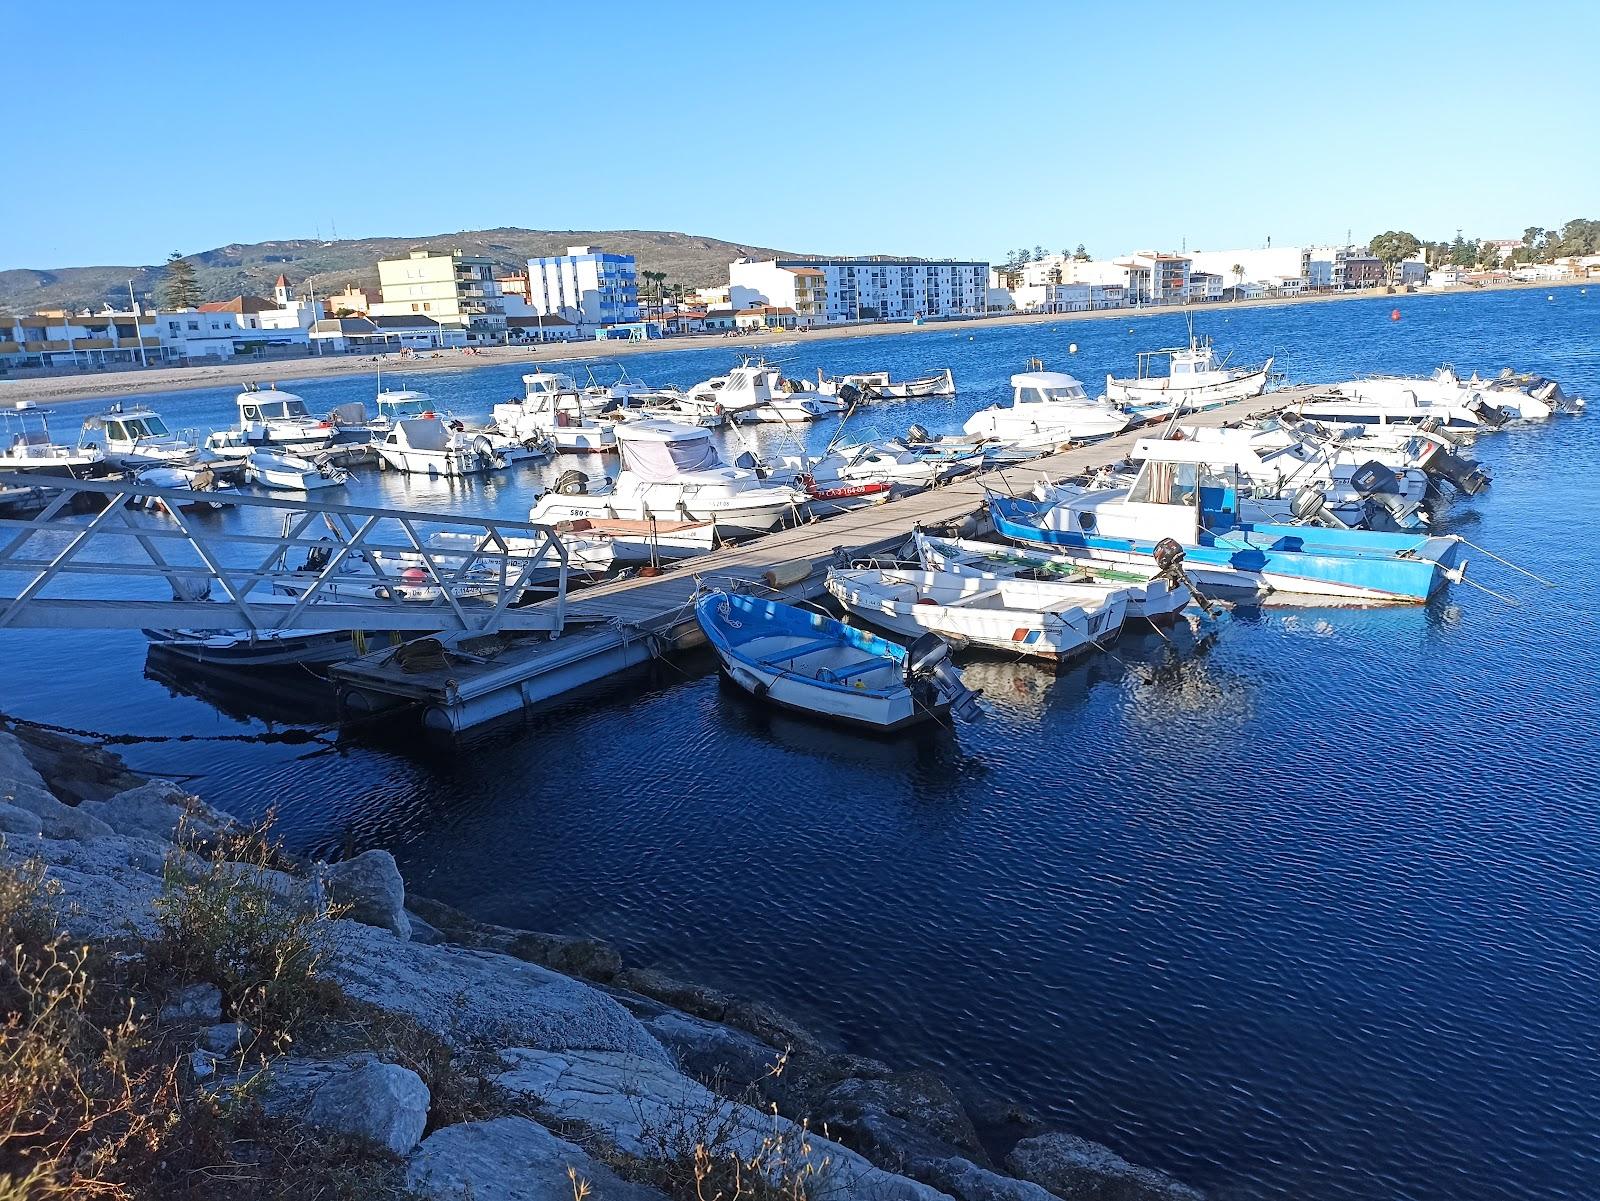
(1238, 279)
(653, 282)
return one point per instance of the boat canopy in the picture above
(421, 433)
(404, 402)
(660, 451)
(548, 381)
(1037, 387)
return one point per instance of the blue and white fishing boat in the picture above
(1194, 505)
(813, 664)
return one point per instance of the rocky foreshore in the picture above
(475, 1061)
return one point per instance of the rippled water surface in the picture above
(1308, 910)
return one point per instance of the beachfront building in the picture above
(1411, 273)
(1155, 277)
(1280, 270)
(60, 339)
(353, 301)
(766, 317)
(1363, 271)
(1325, 268)
(717, 321)
(1067, 298)
(587, 286)
(380, 334)
(803, 290)
(873, 289)
(541, 327)
(455, 290)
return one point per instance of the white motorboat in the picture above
(757, 392)
(1194, 381)
(283, 472)
(891, 463)
(1441, 398)
(1156, 597)
(812, 664)
(274, 420)
(671, 404)
(1048, 405)
(553, 414)
(214, 492)
(878, 385)
(353, 423)
(27, 448)
(428, 446)
(671, 472)
(136, 437)
(1044, 620)
(538, 385)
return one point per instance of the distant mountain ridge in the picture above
(329, 265)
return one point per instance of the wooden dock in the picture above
(623, 623)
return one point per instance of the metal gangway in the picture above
(144, 557)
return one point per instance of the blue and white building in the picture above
(586, 286)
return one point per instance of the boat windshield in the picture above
(1074, 392)
(1184, 483)
(274, 409)
(414, 406)
(145, 427)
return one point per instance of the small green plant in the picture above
(225, 918)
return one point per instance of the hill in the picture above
(329, 266)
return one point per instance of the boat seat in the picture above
(838, 675)
(805, 648)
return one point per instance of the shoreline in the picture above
(135, 381)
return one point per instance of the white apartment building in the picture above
(1068, 298)
(1281, 269)
(455, 289)
(876, 289)
(587, 286)
(803, 289)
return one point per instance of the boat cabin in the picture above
(1184, 490)
(1046, 387)
(255, 407)
(1184, 363)
(538, 384)
(126, 430)
(26, 432)
(659, 452)
(403, 403)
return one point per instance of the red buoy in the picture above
(1394, 314)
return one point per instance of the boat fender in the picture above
(786, 575)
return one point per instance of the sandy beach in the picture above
(58, 389)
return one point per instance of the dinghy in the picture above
(284, 472)
(1028, 617)
(1156, 598)
(814, 664)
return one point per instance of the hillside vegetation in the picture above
(329, 266)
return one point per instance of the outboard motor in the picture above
(1492, 416)
(918, 435)
(928, 661)
(1466, 475)
(1169, 555)
(1310, 507)
(847, 394)
(572, 483)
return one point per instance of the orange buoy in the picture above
(1394, 314)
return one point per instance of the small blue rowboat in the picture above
(814, 664)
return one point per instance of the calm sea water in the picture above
(1310, 910)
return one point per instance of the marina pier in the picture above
(625, 623)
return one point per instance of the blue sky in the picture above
(942, 129)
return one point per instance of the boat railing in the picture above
(123, 568)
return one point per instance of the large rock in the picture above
(710, 1052)
(108, 885)
(478, 998)
(1076, 1169)
(20, 784)
(371, 889)
(380, 1103)
(966, 1181)
(648, 1109)
(14, 820)
(74, 770)
(510, 1159)
(155, 810)
(573, 955)
(905, 1115)
(753, 1017)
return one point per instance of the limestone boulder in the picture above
(904, 1115)
(382, 1104)
(966, 1181)
(15, 820)
(1076, 1169)
(510, 1159)
(108, 885)
(155, 810)
(648, 1109)
(370, 888)
(479, 998)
